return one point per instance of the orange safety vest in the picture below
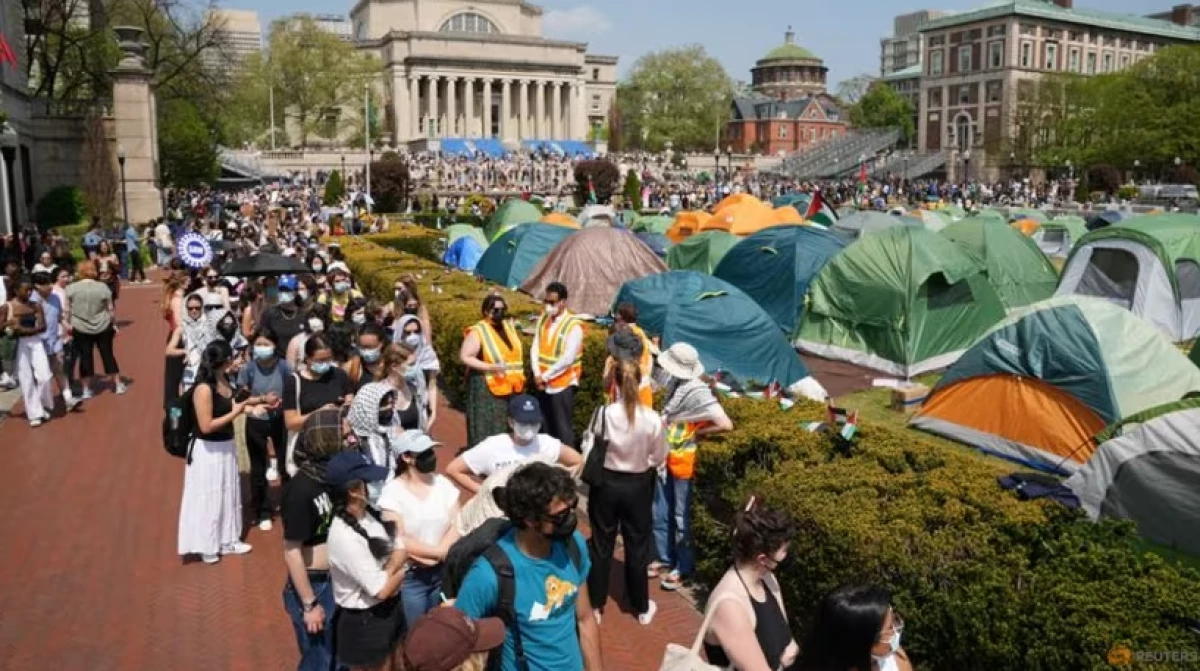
(551, 343)
(493, 350)
(681, 456)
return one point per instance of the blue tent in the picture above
(512, 256)
(775, 266)
(464, 254)
(658, 243)
(729, 330)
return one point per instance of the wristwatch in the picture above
(310, 606)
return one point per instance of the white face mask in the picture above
(551, 310)
(525, 433)
(887, 662)
(316, 325)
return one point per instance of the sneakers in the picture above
(264, 524)
(7, 381)
(71, 402)
(121, 388)
(210, 559)
(238, 548)
(35, 423)
(87, 393)
(272, 473)
(655, 569)
(671, 581)
(647, 617)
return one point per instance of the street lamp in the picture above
(343, 154)
(1070, 170)
(124, 194)
(967, 166)
(905, 179)
(1012, 165)
(1136, 166)
(729, 157)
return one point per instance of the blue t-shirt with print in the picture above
(546, 592)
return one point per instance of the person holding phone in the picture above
(262, 378)
(320, 384)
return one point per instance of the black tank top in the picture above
(221, 406)
(770, 628)
(410, 417)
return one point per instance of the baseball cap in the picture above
(287, 282)
(337, 266)
(352, 466)
(413, 441)
(524, 408)
(445, 637)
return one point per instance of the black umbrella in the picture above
(264, 264)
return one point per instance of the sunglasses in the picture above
(562, 515)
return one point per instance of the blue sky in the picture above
(845, 33)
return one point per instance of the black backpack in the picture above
(482, 543)
(179, 426)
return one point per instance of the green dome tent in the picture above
(1015, 267)
(859, 222)
(1018, 213)
(653, 224)
(511, 213)
(1058, 236)
(511, 257)
(729, 330)
(701, 252)
(456, 231)
(903, 301)
(775, 266)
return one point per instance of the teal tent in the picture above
(775, 266)
(799, 201)
(702, 251)
(513, 255)
(729, 330)
(510, 214)
(654, 224)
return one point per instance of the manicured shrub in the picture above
(335, 189)
(601, 175)
(1104, 178)
(389, 183)
(632, 189)
(1127, 192)
(61, 206)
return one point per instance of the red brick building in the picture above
(788, 108)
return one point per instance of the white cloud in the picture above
(581, 21)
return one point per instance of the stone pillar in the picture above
(579, 114)
(469, 107)
(487, 108)
(451, 107)
(506, 124)
(414, 101)
(434, 120)
(400, 108)
(523, 130)
(134, 124)
(556, 116)
(539, 106)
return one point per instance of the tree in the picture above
(852, 90)
(599, 175)
(680, 95)
(633, 188)
(99, 171)
(389, 184)
(882, 107)
(186, 146)
(335, 190)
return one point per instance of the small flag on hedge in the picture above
(843, 421)
(591, 192)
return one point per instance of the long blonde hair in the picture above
(628, 378)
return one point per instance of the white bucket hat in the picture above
(681, 360)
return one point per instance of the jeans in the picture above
(420, 592)
(672, 523)
(316, 650)
(164, 256)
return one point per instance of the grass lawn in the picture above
(875, 405)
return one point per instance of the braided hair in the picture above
(380, 548)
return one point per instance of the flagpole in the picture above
(367, 138)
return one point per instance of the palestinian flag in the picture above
(591, 192)
(862, 181)
(819, 212)
(6, 52)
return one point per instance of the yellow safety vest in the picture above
(681, 441)
(552, 341)
(493, 350)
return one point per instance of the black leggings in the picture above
(136, 270)
(103, 341)
(258, 431)
(624, 503)
(172, 378)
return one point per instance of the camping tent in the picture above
(653, 224)
(1026, 226)
(799, 201)
(747, 218)
(859, 222)
(514, 211)
(1058, 236)
(686, 224)
(512, 256)
(701, 252)
(1015, 267)
(463, 254)
(729, 330)
(1148, 264)
(736, 199)
(776, 265)
(559, 219)
(1020, 213)
(903, 301)
(1148, 474)
(1104, 219)
(593, 263)
(988, 213)
(456, 231)
(658, 243)
(1040, 385)
(598, 215)
(934, 220)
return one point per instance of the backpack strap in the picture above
(506, 599)
(574, 553)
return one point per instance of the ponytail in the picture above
(379, 547)
(629, 377)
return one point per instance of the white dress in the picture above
(210, 516)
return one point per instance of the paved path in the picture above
(88, 568)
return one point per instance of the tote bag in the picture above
(678, 658)
(595, 449)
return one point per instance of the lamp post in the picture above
(1178, 162)
(124, 195)
(370, 159)
(967, 166)
(729, 157)
(343, 168)
(717, 171)
(905, 176)
(1012, 165)
(1137, 164)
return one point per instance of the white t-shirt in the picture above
(498, 451)
(357, 575)
(425, 519)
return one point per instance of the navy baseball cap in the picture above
(524, 409)
(352, 466)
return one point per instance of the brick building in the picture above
(787, 108)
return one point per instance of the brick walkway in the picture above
(89, 571)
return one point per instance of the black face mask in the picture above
(385, 418)
(564, 528)
(410, 311)
(227, 329)
(426, 462)
(498, 315)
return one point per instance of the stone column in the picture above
(134, 126)
(539, 94)
(579, 114)
(435, 114)
(469, 107)
(556, 111)
(414, 101)
(506, 124)
(487, 108)
(523, 130)
(451, 107)
(400, 108)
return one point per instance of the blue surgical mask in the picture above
(287, 297)
(263, 353)
(413, 340)
(369, 355)
(320, 367)
(341, 287)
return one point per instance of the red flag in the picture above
(862, 173)
(6, 52)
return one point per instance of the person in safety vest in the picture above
(557, 365)
(690, 411)
(495, 360)
(636, 346)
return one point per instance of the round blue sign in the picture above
(194, 250)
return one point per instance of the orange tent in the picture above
(686, 224)
(735, 199)
(788, 215)
(742, 219)
(560, 219)
(1026, 226)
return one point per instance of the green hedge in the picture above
(453, 299)
(411, 239)
(984, 581)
